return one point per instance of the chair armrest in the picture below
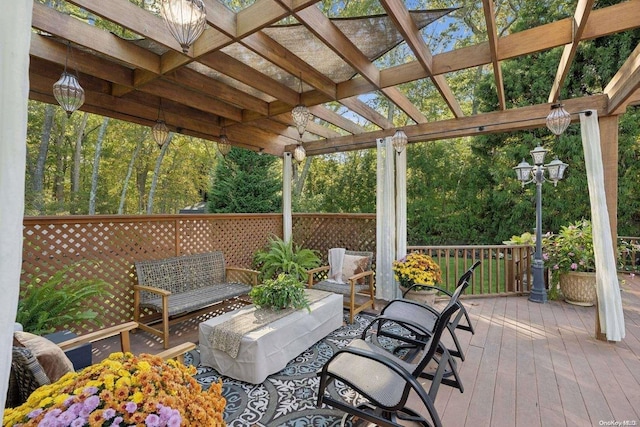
(177, 352)
(123, 330)
(355, 277)
(312, 271)
(161, 292)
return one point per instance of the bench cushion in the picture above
(198, 298)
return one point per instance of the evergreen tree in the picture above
(245, 182)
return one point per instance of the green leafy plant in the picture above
(285, 257)
(59, 300)
(282, 292)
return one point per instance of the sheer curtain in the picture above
(401, 204)
(386, 288)
(15, 37)
(608, 289)
(287, 227)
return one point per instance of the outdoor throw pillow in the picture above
(352, 265)
(53, 360)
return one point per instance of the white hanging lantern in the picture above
(186, 20)
(299, 154)
(558, 119)
(160, 132)
(300, 115)
(399, 140)
(68, 93)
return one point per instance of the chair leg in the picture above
(458, 352)
(469, 325)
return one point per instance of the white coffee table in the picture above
(267, 350)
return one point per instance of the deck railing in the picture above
(113, 243)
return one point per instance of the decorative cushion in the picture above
(53, 360)
(352, 265)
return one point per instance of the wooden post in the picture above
(609, 149)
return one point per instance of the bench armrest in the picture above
(151, 289)
(177, 352)
(123, 330)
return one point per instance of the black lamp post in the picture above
(557, 122)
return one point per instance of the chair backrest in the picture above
(441, 323)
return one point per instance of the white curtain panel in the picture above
(287, 221)
(401, 204)
(15, 38)
(386, 288)
(608, 288)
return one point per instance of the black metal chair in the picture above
(385, 380)
(425, 316)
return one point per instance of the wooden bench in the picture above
(186, 286)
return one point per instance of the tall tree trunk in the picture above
(61, 165)
(96, 165)
(132, 162)
(38, 172)
(75, 175)
(156, 173)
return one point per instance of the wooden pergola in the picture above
(212, 90)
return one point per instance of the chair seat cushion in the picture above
(339, 288)
(185, 302)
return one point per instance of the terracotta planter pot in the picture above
(579, 288)
(427, 297)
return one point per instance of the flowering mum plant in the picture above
(123, 390)
(417, 268)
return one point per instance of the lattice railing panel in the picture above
(325, 231)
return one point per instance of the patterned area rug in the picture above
(287, 398)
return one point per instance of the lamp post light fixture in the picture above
(527, 174)
(186, 20)
(399, 140)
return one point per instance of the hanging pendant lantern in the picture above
(67, 89)
(186, 20)
(399, 140)
(558, 119)
(300, 113)
(299, 154)
(224, 147)
(300, 117)
(160, 132)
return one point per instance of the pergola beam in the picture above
(492, 34)
(498, 121)
(624, 84)
(580, 19)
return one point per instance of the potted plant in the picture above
(417, 273)
(285, 257)
(282, 292)
(570, 258)
(123, 390)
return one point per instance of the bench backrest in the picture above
(183, 273)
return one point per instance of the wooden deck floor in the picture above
(532, 364)
(528, 364)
